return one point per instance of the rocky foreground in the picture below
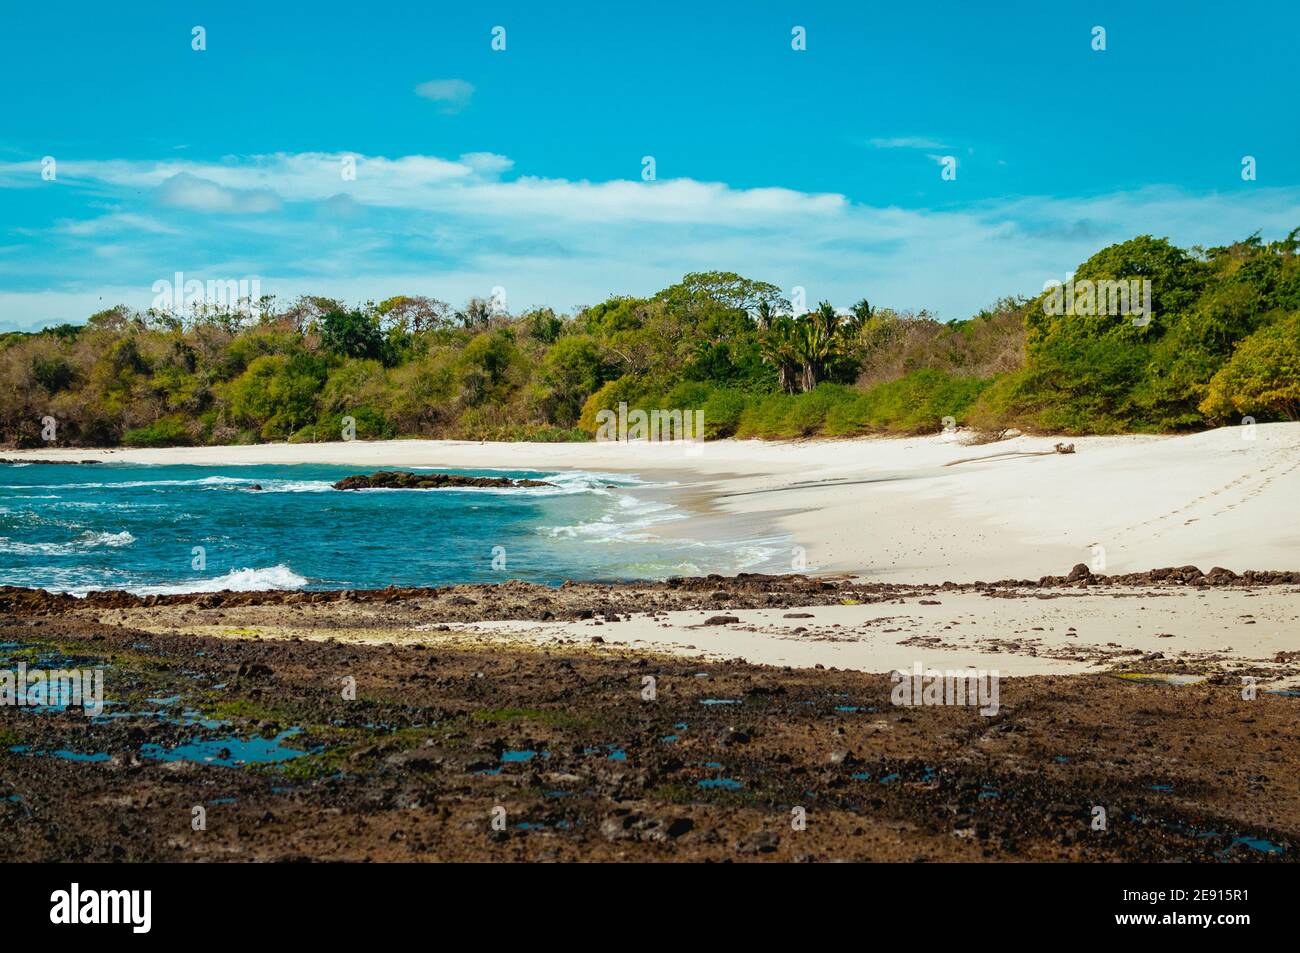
(575, 762)
(323, 746)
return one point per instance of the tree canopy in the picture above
(1221, 344)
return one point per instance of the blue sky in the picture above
(522, 168)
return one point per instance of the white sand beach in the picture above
(916, 510)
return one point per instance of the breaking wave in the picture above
(237, 580)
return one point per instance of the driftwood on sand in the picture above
(1008, 454)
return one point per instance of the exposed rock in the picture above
(759, 842)
(1080, 571)
(405, 480)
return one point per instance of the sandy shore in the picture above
(925, 509)
(1222, 631)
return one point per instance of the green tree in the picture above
(574, 368)
(277, 394)
(1262, 379)
(779, 349)
(351, 334)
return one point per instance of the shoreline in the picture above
(1165, 623)
(923, 509)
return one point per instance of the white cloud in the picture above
(184, 190)
(452, 94)
(456, 227)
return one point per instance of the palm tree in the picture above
(806, 349)
(862, 313)
(817, 343)
(778, 344)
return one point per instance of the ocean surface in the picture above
(77, 528)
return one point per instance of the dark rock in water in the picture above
(15, 461)
(405, 480)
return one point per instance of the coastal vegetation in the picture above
(1222, 343)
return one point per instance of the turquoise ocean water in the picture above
(115, 526)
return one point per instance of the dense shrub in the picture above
(167, 432)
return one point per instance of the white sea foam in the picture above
(627, 521)
(87, 540)
(237, 580)
(297, 486)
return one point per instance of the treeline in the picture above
(1222, 342)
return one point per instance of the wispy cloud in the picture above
(453, 227)
(907, 142)
(452, 95)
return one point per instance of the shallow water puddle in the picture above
(1256, 843)
(229, 752)
(513, 757)
(516, 757)
(63, 754)
(724, 784)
